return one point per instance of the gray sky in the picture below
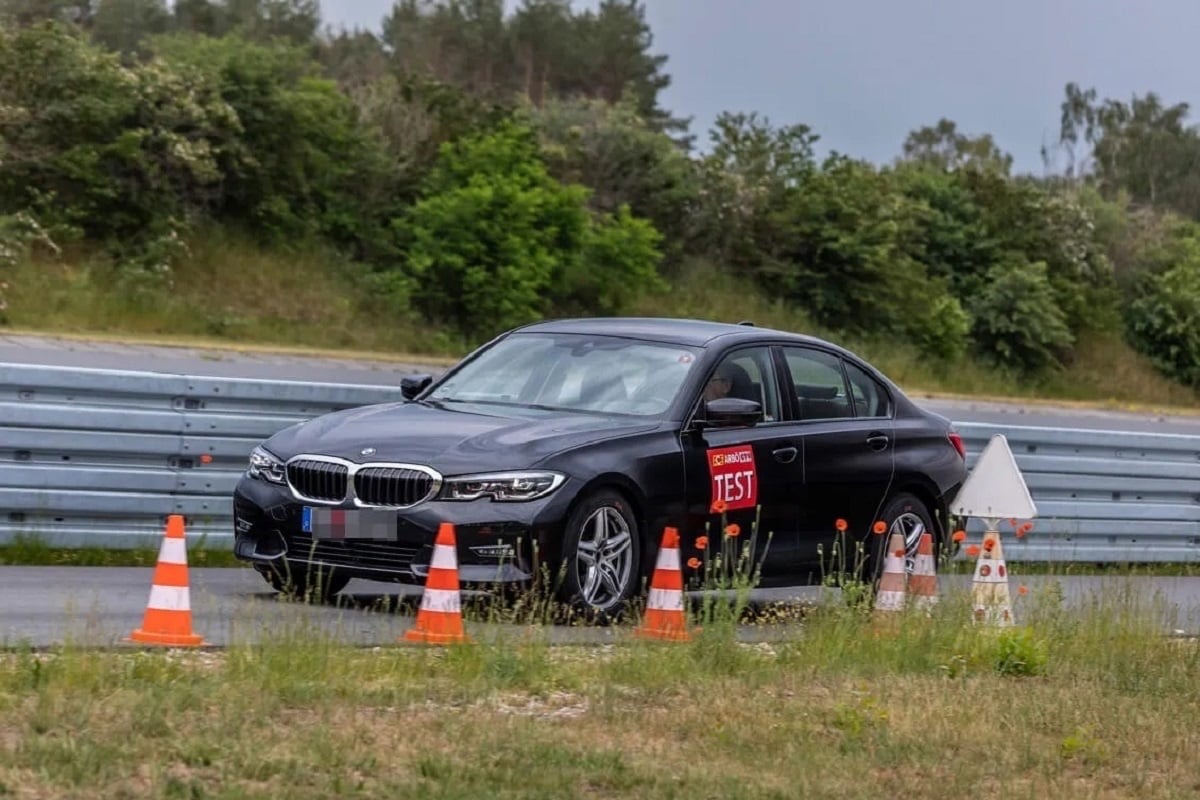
(863, 73)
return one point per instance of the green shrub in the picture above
(496, 242)
(1018, 323)
(1163, 320)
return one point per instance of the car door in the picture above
(756, 470)
(844, 421)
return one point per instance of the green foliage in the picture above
(1017, 321)
(1163, 320)
(942, 332)
(843, 235)
(494, 241)
(941, 146)
(115, 152)
(624, 161)
(300, 164)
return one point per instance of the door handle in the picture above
(878, 441)
(785, 455)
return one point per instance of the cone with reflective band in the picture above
(990, 598)
(891, 594)
(439, 619)
(922, 584)
(664, 618)
(168, 618)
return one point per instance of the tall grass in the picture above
(1072, 703)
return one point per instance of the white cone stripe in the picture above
(889, 601)
(665, 600)
(173, 551)
(170, 598)
(668, 558)
(923, 565)
(444, 557)
(445, 600)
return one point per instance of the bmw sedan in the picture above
(565, 448)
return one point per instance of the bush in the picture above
(1163, 320)
(496, 242)
(1018, 323)
(944, 331)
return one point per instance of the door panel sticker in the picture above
(734, 476)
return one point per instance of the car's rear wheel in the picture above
(906, 515)
(304, 583)
(601, 557)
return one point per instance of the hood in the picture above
(454, 439)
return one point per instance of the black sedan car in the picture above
(565, 448)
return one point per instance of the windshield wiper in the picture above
(538, 406)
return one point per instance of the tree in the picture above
(624, 162)
(943, 147)
(121, 25)
(750, 172)
(495, 241)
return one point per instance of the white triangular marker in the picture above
(995, 489)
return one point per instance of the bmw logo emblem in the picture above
(368, 451)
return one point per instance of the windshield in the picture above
(574, 372)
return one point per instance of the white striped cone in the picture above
(665, 618)
(168, 617)
(922, 584)
(439, 619)
(891, 594)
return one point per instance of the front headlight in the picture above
(266, 466)
(506, 487)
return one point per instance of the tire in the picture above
(600, 596)
(907, 515)
(303, 583)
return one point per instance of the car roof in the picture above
(693, 332)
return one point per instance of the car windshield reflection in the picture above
(573, 373)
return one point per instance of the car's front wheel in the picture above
(601, 557)
(907, 516)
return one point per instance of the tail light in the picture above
(957, 441)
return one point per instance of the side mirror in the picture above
(413, 385)
(732, 412)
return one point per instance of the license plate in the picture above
(349, 523)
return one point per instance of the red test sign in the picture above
(734, 478)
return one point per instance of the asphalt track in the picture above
(22, 349)
(99, 606)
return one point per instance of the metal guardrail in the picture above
(101, 457)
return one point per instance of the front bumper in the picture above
(497, 543)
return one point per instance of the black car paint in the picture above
(657, 463)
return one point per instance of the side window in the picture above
(748, 374)
(817, 383)
(870, 398)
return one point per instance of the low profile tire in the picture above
(906, 515)
(601, 558)
(301, 583)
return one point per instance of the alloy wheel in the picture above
(604, 557)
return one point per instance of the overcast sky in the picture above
(863, 73)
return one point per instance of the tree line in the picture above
(486, 168)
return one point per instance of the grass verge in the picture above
(231, 293)
(1089, 704)
(31, 551)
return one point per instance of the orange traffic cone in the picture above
(992, 603)
(439, 619)
(168, 618)
(891, 594)
(922, 584)
(664, 617)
